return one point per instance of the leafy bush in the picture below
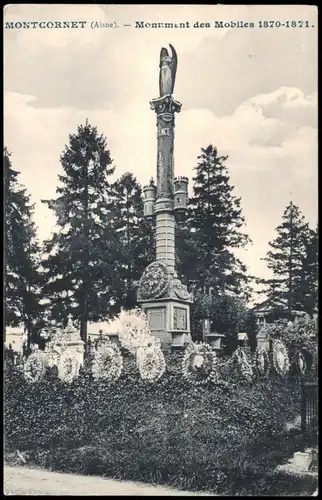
(168, 432)
(299, 334)
(227, 316)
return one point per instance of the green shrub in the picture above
(218, 437)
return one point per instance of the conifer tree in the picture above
(285, 259)
(135, 239)
(306, 283)
(80, 255)
(22, 256)
(215, 224)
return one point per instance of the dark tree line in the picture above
(91, 265)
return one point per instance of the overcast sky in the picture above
(250, 92)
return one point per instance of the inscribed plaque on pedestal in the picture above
(179, 318)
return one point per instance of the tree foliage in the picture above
(206, 248)
(80, 255)
(93, 261)
(214, 228)
(292, 259)
(300, 334)
(134, 239)
(306, 283)
(227, 315)
(22, 255)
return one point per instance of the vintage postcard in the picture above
(161, 250)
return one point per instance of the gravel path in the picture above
(23, 481)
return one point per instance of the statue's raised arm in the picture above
(168, 69)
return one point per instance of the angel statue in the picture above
(168, 69)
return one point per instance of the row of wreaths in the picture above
(200, 364)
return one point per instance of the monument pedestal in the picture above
(166, 303)
(169, 320)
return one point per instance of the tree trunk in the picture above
(290, 283)
(28, 316)
(85, 260)
(128, 277)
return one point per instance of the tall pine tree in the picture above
(22, 256)
(135, 239)
(306, 283)
(287, 260)
(214, 228)
(80, 255)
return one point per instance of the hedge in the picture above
(224, 438)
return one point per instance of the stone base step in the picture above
(302, 463)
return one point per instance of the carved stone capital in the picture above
(165, 108)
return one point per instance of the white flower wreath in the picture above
(150, 360)
(52, 357)
(199, 364)
(261, 361)
(108, 362)
(35, 367)
(68, 367)
(133, 330)
(244, 367)
(281, 361)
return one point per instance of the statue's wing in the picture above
(162, 53)
(160, 82)
(160, 77)
(173, 65)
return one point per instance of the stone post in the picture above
(243, 342)
(262, 339)
(216, 341)
(74, 343)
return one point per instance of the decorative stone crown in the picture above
(181, 184)
(149, 188)
(181, 179)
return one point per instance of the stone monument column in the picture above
(161, 294)
(165, 107)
